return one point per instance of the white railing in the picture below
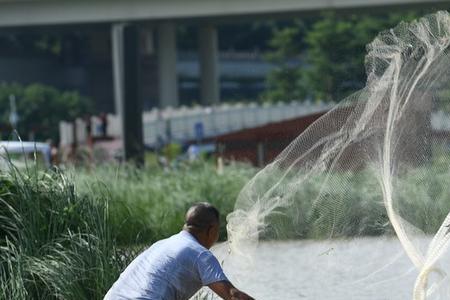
(77, 131)
(66, 132)
(180, 124)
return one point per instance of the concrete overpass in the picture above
(52, 12)
(127, 39)
(20, 13)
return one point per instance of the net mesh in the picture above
(366, 188)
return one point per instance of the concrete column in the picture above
(147, 41)
(167, 65)
(126, 67)
(149, 66)
(209, 66)
(117, 62)
(260, 154)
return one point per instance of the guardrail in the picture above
(183, 123)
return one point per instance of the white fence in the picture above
(183, 124)
(77, 131)
(191, 123)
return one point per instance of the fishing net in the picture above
(356, 206)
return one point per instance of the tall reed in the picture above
(54, 242)
(148, 204)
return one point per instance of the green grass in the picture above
(68, 235)
(348, 204)
(54, 242)
(149, 204)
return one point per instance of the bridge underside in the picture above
(163, 15)
(52, 12)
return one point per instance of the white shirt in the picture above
(171, 269)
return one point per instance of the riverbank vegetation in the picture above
(68, 234)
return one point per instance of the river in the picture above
(363, 268)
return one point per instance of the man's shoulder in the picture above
(189, 245)
(180, 243)
(184, 238)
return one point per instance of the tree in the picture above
(335, 48)
(41, 108)
(284, 82)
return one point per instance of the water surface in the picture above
(364, 268)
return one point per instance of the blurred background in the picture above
(112, 80)
(200, 95)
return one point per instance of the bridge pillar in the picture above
(167, 65)
(209, 66)
(127, 92)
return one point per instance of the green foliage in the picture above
(333, 66)
(286, 42)
(443, 98)
(356, 209)
(59, 233)
(318, 212)
(172, 151)
(40, 108)
(55, 243)
(284, 83)
(335, 55)
(149, 204)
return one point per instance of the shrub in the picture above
(40, 108)
(55, 243)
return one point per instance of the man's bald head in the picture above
(201, 216)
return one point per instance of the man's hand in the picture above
(228, 292)
(238, 295)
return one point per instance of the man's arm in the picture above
(228, 292)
